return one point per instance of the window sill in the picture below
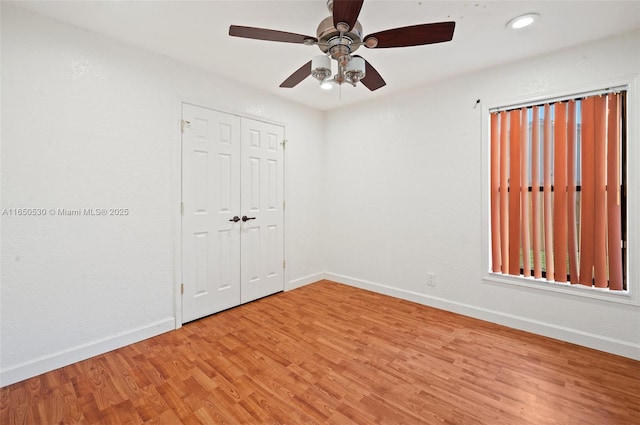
(604, 294)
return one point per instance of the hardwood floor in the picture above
(331, 354)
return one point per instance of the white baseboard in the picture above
(297, 283)
(57, 360)
(597, 342)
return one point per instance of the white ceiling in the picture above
(196, 32)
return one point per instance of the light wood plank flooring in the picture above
(331, 354)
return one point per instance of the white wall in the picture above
(404, 197)
(89, 122)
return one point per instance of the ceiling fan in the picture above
(339, 36)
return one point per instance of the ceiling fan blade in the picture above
(346, 11)
(372, 79)
(415, 35)
(296, 78)
(269, 35)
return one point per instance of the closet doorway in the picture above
(232, 210)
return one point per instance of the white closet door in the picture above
(211, 198)
(262, 253)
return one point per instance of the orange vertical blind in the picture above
(548, 212)
(495, 194)
(514, 192)
(524, 191)
(536, 227)
(572, 225)
(600, 196)
(587, 209)
(613, 193)
(556, 197)
(560, 193)
(504, 192)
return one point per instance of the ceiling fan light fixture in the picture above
(523, 21)
(355, 70)
(321, 67)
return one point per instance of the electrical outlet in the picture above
(431, 279)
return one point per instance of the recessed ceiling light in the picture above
(523, 21)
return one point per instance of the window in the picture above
(558, 190)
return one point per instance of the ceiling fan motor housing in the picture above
(329, 37)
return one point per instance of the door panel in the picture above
(262, 251)
(211, 197)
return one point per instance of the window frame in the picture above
(632, 267)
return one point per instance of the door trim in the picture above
(176, 199)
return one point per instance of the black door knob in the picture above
(245, 218)
(235, 219)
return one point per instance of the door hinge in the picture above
(284, 143)
(181, 208)
(284, 264)
(182, 288)
(284, 204)
(183, 124)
